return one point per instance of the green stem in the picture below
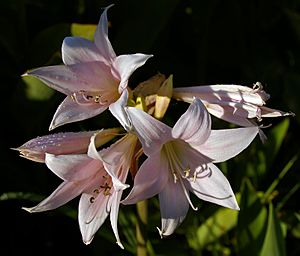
(279, 178)
(141, 226)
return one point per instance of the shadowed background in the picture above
(200, 43)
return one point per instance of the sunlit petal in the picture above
(65, 192)
(173, 207)
(72, 167)
(225, 144)
(101, 38)
(77, 50)
(213, 188)
(151, 132)
(150, 180)
(194, 125)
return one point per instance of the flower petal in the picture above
(92, 215)
(225, 144)
(232, 112)
(194, 125)
(125, 65)
(150, 179)
(114, 159)
(269, 112)
(89, 76)
(114, 211)
(70, 111)
(222, 93)
(78, 50)
(213, 188)
(173, 207)
(57, 144)
(72, 167)
(118, 110)
(151, 132)
(65, 192)
(101, 38)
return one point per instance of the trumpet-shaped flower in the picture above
(233, 103)
(63, 143)
(93, 77)
(181, 160)
(98, 177)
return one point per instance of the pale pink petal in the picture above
(78, 50)
(114, 211)
(225, 144)
(101, 38)
(150, 179)
(118, 110)
(112, 161)
(213, 188)
(89, 76)
(269, 112)
(222, 92)
(63, 194)
(194, 125)
(232, 112)
(92, 215)
(125, 65)
(173, 207)
(151, 132)
(58, 144)
(70, 111)
(72, 167)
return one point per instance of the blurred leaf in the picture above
(251, 221)
(275, 138)
(20, 196)
(274, 242)
(37, 90)
(279, 178)
(47, 43)
(216, 226)
(83, 30)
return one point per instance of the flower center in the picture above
(179, 165)
(105, 188)
(88, 98)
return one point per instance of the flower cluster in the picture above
(180, 159)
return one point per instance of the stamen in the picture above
(87, 98)
(187, 172)
(175, 177)
(205, 175)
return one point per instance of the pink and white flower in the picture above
(98, 177)
(93, 77)
(233, 103)
(181, 160)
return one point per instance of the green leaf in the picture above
(20, 196)
(216, 226)
(280, 177)
(274, 243)
(37, 90)
(275, 138)
(251, 221)
(86, 31)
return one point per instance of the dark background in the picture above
(199, 42)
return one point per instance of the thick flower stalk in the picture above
(181, 160)
(236, 104)
(99, 177)
(93, 77)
